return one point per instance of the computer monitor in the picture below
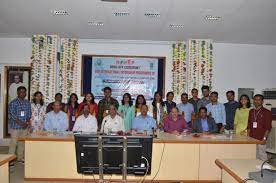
(139, 154)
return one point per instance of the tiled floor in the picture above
(17, 176)
(17, 173)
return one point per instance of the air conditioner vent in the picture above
(269, 94)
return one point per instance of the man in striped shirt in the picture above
(20, 114)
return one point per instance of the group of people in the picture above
(198, 115)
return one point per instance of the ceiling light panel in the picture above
(212, 18)
(121, 14)
(152, 15)
(96, 24)
(178, 26)
(60, 12)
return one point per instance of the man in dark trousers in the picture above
(230, 109)
(259, 125)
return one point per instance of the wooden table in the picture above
(236, 170)
(185, 158)
(4, 167)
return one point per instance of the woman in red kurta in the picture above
(90, 100)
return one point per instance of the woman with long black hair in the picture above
(241, 115)
(89, 99)
(71, 109)
(127, 111)
(38, 112)
(158, 108)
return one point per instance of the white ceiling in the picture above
(243, 21)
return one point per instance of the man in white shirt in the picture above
(86, 122)
(56, 120)
(112, 122)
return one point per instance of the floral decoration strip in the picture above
(179, 68)
(68, 67)
(44, 60)
(200, 69)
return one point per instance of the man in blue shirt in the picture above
(56, 120)
(217, 111)
(186, 109)
(20, 114)
(204, 124)
(144, 122)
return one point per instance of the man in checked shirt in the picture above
(20, 113)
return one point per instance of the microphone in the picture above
(104, 125)
(153, 132)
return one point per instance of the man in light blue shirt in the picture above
(217, 111)
(56, 120)
(186, 108)
(144, 122)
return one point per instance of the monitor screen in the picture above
(137, 147)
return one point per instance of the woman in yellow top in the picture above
(241, 116)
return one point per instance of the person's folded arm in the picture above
(12, 112)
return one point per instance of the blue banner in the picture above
(133, 75)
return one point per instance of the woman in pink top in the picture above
(174, 123)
